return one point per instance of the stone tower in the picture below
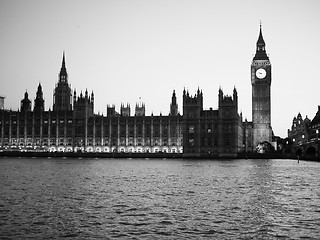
(84, 105)
(25, 103)
(62, 96)
(39, 101)
(228, 123)
(192, 109)
(125, 111)
(261, 98)
(140, 109)
(174, 105)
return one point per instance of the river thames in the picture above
(159, 199)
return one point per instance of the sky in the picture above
(127, 51)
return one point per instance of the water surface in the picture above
(159, 199)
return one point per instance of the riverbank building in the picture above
(72, 126)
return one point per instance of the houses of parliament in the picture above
(72, 125)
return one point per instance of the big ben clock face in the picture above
(261, 73)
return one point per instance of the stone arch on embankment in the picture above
(307, 151)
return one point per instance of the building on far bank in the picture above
(75, 127)
(299, 133)
(72, 125)
(314, 127)
(211, 132)
(304, 136)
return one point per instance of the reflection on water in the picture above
(155, 199)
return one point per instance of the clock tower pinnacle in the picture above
(261, 94)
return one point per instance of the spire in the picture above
(260, 42)
(63, 76)
(174, 98)
(26, 95)
(39, 93)
(261, 48)
(39, 101)
(174, 105)
(92, 97)
(74, 95)
(25, 103)
(63, 61)
(235, 94)
(62, 96)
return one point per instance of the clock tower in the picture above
(261, 101)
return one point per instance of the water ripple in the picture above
(144, 199)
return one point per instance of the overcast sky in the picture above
(126, 50)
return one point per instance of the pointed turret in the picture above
(39, 93)
(39, 101)
(235, 95)
(220, 95)
(62, 94)
(261, 48)
(260, 41)
(25, 103)
(63, 61)
(74, 95)
(174, 105)
(174, 98)
(63, 76)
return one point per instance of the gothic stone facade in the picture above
(211, 132)
(73, 126)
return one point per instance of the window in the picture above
(191, 129)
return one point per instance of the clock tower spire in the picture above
(261, 48)
(261, 93)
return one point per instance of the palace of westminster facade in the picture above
(72, 125)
